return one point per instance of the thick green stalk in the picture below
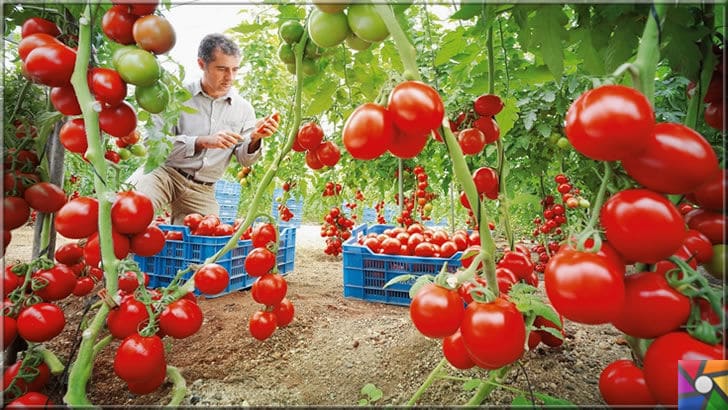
(648, 53)
(54, 363)
(82, 367)
(487, 386)
(434, 375)
(179, 390)
(407, 52)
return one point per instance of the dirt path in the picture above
(331, 350)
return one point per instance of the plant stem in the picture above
(407, 52)
(695, 105)
(434, 375)
(99, 346)
(54, 363)
(648, 52)
(487, 386)
(180, 386)
(599, 201)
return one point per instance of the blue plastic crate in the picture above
(194, 249)
(366, 273)
(295, 205)
(227, 187)
(227, 194)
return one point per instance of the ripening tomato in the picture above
(711, 224)
(138, 356)
(676, 159)
(416, 108)
(585, 287)
(328, 153)
(51, 64)
(494, 333)
(698, 245)
(310, 135)
(212, 279)
(455, 352)
(488, 105)
(73, 136)
(40, 322)
(269, 289)
(284, 312)
(435, 311)
(65, 101)
(154, 33)
(661, 361)
(471, 141)
(35, 25)
(107, 86)
(117, 24)
(78, 218)
(622, 383)
(312, 160)
(262, 325)
(368, 132)
(45, 197)
(489, 128)
(263, 234)
(610, 123)
(642, 225)
(180, 319)
(651, 306)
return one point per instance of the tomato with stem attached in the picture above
(494, 333)
(212, 279)
(180, 319)
(269, 289)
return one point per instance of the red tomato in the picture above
(312, 160)
(368, 132)
(65, 101)
(118, 121)
(710, 224)
(118, 23)
(488, 105)
(128, 318)
(269, 289)
(610, 123)
(11, 281)
(585, 287)
(35, 25)
(455, 352)
(73, 136)
(661, 359)
(448, 249)
(622, 383)
(714, 115)
(212, 279)
(518, 263)
(40, 322)
(15, 212)
(154, 33)
(83, 286)
(34, 377)
(494, 333)
(407, 145)
(284, 312)
(150, 384)
(181, 318)
(486, 181)
(45, 197)
(710, 194)
(263, 234)
(139, 8)
(675, 160)
(259, 262)
(328, 153)
(137, 357)
(391, 246)
(51, 64)
(435, 311)
(471, 140)
(416, 108)
(192, 220)
(129, 282)
(131, 212)
(31, 42)
(92, 250)
(10, 330)
(148, 242)
(310, 135)
(642, 225)
(698, 245)
(107, 86)
(262, 325)
(31, 400)
(57, 282)
(546, 337)
(489, 128)
(645, 294)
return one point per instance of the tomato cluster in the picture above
(319, 153)
(337, 229)
(359, 26)
(417, 240)
(477, 127)
(413, 112)
(586, 281)
(25, 379)
(270, 288)
(419, 197)
(208, 225)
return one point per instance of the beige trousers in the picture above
(165, 186)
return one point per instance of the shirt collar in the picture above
(197, 89)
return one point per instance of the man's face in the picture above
(218, 75)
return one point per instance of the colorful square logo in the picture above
(702, 384)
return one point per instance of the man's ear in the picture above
(201, 63)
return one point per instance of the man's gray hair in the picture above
(214, 41)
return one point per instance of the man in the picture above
(205, 141)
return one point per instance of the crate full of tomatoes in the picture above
(185, 246)
(375, 254)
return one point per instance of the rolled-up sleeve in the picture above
(183, 145)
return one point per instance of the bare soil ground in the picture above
(331, 350)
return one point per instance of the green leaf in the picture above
(452, 44)
(419, 283)
(472, 384)
(554, 401)
(529, 119)
(508, 116)
(244, 28)
(399, 279)
(590, 58)
(467, 11)
(187, 109)
(323, 99)
(521, 400)
(548, 32)
(621, 46)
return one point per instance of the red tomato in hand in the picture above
(610, 123)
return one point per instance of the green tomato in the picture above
(554, 138)
(285, 53)
(355, 43)
(331, 6)
(584, 203)
(291, 31)
(563, 143)
(366, 23)
(327, 29)
(716, 265)
(291, 68)
(116, 56)
(312, 51)
(309, 67)
(139, 67)
(138, 150)
(124, 153)
(153, 98)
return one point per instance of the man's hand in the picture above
(265, 127)
(221, 139)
